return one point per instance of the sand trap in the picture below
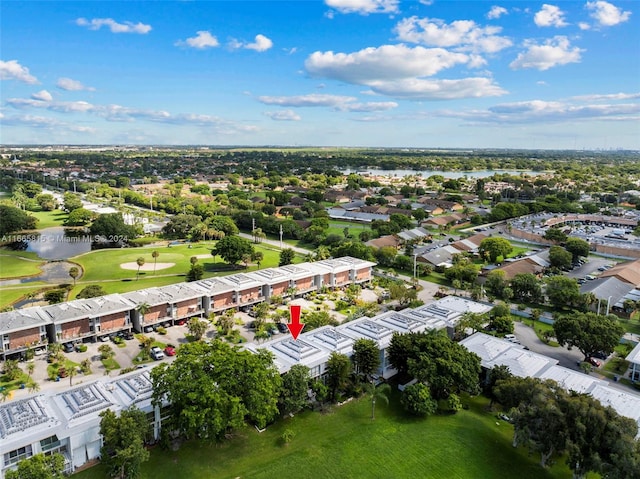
(204, 256)
(146, 266)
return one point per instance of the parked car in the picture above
(600, 355)
(156, 353)
(282, 327)
(68, 347)
(148, 329)
(594, 362)
(170, 350)
(39, 351)
(104, 338)
(181, 322)
(127, 335)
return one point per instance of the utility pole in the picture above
(280, 236)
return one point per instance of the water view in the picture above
(445, 174)
(56, 243)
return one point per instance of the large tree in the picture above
(214, 387)
(286, 257)
(366, 357)
(113, 228)
(294, 392)
(556, 235)
(559, 257)
(14, 219)
(494, 247)
(562, 291)
(232, 249)
(588, 332)
(123, 439)
(416, 399)
(527, 288)
(38, 466)
(338, 371)
(577, 247)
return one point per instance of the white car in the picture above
(157, 353)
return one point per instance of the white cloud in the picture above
(550, 16)
(426, 2)
(202, 40)
(607, 97)
(42, 95)
(12, 70)
(368, 106)
(313, 99)
(47, 123)
(283, 115)
(584, 26)
(400, 71)
(607, 14)
(555, 51)
(464, 34)
(386, 62)
(364, 7)
(496, 12)
(72, 85)
(541, 111)
(260, 44)
(115, 27)
(421, 89)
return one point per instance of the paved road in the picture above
(566, 358)
(277, 244)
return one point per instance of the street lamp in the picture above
(415, 258)
(608, 303)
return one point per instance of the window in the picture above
(49, 443)
(17, 455)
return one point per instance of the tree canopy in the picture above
(123, 439)
(588, 332)
(232, 249)
(495, 247)
(215, 387)
(38, 466)
(14, 219)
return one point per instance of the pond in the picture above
(445, 174)
(54, 243)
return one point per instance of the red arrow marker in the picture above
(295, 327)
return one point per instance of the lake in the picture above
(445, 174)
(55, 243)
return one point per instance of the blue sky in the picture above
(385, 73)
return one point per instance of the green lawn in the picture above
(48, 219)
(346, 443)
(15, 265)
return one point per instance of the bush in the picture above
(161, 330)
(82, 348)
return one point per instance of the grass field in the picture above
(17, 265)
(48, 219)
(346, 443)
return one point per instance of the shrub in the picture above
(82, 348)
(287, 436)
(161, 330)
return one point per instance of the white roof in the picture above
(572, 380)
(634, 355)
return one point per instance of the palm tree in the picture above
(30, 367)
(155, 255)
(33, 386)
(381, 392)
(142, 309)
(257, 257)
(72, 372)
(74, 272)
(193, 260)
(140, 263)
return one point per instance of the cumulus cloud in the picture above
(260, 44)
(12, 70)
(386, 62)
(422, 89)
(540, 111)
(283, 115)
(400, 71)
(364, 7)
(550, 16)
(45, 123)
(113, 26)
(464, 34)
(42, 95)
(496, 12)
(607, 14)
(72, 85)
(202, 40)
(555, 51)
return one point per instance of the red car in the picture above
(181, 322)
(594, 362)
(170, 351)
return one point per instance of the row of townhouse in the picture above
(69, 422)
(89, 320)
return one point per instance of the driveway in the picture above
(528, 338)
(590, 268)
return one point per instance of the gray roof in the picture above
(610, 289)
